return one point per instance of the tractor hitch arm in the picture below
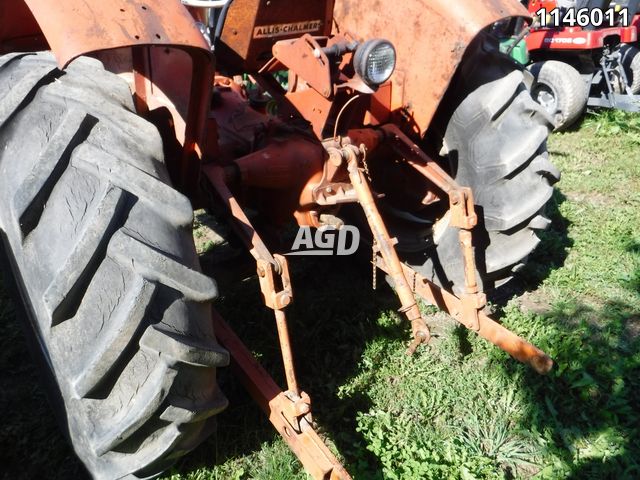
(288, 411)
(386, 247)
(465, 308)
(462, 215)
(303, 440)
(487, 328)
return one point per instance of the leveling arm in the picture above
(467, 308)
(288, 411)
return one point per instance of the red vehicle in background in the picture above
(633, 8)
(584, 53)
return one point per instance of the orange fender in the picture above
(123, 34)
(430, 36)
(77, 27)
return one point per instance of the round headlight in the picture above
(375, 61)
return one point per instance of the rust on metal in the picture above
(104, 29)
(277, 295)
(295, 163)
(287, 354)
(289, 411)
(418, 159)
(253, 25)
(386, 245)
(319, 462)
(461, 215)
(241, 223)
(272, 270)
(466, 308)
(488, 329)
(78, 27)
(306, 58)
(430, 43)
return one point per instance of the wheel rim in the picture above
(547, 97)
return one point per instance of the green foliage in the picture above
(273, 462)
(615, 122)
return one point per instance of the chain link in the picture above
(374, 263)
(374, 246)
(364, 162)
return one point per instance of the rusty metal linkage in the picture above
(466, 309)
(303, 440)
(351, 156)
(488, 329)
(462, 215)
(386, 247)
(289, 411)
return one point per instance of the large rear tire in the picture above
(496, 143)
(103, 255)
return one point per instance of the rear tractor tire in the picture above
(561, 90)
(495, 141)
(102, 251)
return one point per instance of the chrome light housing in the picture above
(375, 61)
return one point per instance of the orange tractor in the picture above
(118, 118)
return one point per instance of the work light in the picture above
(375, 61)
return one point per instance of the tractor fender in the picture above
(78, 27)
(120, 33)
(430, 36)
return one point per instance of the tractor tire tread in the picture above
(102, 249)
(496, 141)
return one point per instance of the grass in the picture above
(460, 408)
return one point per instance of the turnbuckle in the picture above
(352, 155)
